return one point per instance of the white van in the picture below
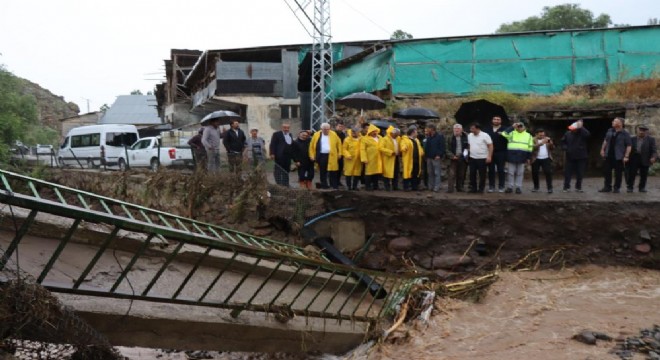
(96, 145)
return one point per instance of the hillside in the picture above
(50, 107)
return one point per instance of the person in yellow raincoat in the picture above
(352, 163)
(412, 158)
(370, 157)
(390, 149)
(325, 149)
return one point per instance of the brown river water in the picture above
(525, 315)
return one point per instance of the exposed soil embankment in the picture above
(464, 234)
(445, 233)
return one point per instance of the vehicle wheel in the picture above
(90, 163)
(122, 165)
(154, 165)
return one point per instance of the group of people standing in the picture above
(496, 155)
(504, 152)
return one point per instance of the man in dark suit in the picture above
(642, 155)
(280, 151)
(234, 142)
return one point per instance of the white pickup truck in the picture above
(145, 153)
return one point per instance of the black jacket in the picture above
(451, 145)
(301, 152)
(499, 142)
(649, 150)
(434, 146)
(279, 147)
(234, 143)
(575, 144)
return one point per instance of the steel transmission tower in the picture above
(322, 99)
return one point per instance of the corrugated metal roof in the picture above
(133, 110)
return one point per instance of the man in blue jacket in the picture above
(434, 150)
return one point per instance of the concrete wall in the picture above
(264, 114)
(649, 115)
(179, 115)
(82, 120)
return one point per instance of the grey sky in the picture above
(96, 50)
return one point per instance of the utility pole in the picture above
(318, 20)
(87, 104)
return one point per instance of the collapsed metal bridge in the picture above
(185, 265)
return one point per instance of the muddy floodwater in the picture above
(533, 315)
(524, 315)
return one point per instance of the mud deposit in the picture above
(529, 315)
(434, 233)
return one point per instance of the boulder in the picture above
(262, 232)
(643, 248)
(442, 261)
(644, 235)
(400, 245)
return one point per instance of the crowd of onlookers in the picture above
(494, 157)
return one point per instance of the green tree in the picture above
(560, 17)
(104, 108)
(136, 92)
(400, 35)
(18, 112)
(19, 119)
(653, 21)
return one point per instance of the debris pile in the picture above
(647, 342)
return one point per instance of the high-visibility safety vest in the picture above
(522, 141)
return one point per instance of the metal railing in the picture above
(283, 278)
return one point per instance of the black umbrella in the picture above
(362, 101)
(225, 117)
(416, 113)
(480, 111)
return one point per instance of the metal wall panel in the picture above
(226, 70)
(290, 74)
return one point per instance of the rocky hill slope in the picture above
(51, 107)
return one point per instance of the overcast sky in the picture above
(92, 50)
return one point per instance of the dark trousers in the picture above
(341, 170)
(411, 184)
(372, 182)
(497, 166)
(333, 176)
(576, 167)
(546, 166)
(612, 164)
(634, 165)
(477, 166)
(456, 177)
(352, 182)
(281, 171)
(306, 173)
(235, 161)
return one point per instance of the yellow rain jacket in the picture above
(351, 147)
(335, 149)
(369, 153)
(407, 158)
(387, 152)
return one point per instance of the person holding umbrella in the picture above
(211, 142)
